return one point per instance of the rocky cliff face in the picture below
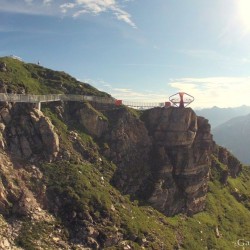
(225, 164)
(171, 168)
(27, 133)
(163, 157)
(129, 148)
(183, 143)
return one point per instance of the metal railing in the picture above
(143, 105)
(28, 98)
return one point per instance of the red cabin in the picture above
(118, 102)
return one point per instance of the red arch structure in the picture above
(181, 99)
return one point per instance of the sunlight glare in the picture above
(244, 13)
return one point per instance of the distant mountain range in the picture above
(218, 116)
(235, 136)
(230, 129)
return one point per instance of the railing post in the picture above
(38, 106)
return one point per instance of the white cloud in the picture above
(207, 91)
(73, 8)
(93, 7)
(28, 1)
(66, 6)
(80, 12)
(29, 7)
(47, 2)
(130, 95)
(98, 6)
(124, 16)
(215, 91)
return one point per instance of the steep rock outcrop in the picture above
(93, 121)
(27, 132)
(182, 142)
(171, 127)
(225, 164)
(129, 146)
(233, 164)
(3, 67)
(15, 197)
(172, 148)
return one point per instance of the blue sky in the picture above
(138, 50)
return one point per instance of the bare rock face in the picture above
(173, 166)
(14, 195)
(49, 138)
(2, 141)
(231, 165)
(172, 128)
(92, 120)
(181, 157)
(27, 132)
(3, 67)
(129, 149)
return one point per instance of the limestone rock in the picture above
(27, 132)
(2, 140)
(232, 166)
(5, 115)
(92, 243)
(181, 173)
(129, 148)
(93, 121)
(173, 147)
(49, 137)
(3, 67)
(25, 147)
(172, 126)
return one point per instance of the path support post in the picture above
(38, 106)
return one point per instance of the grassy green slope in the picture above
(223, 213)
(39, 80)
